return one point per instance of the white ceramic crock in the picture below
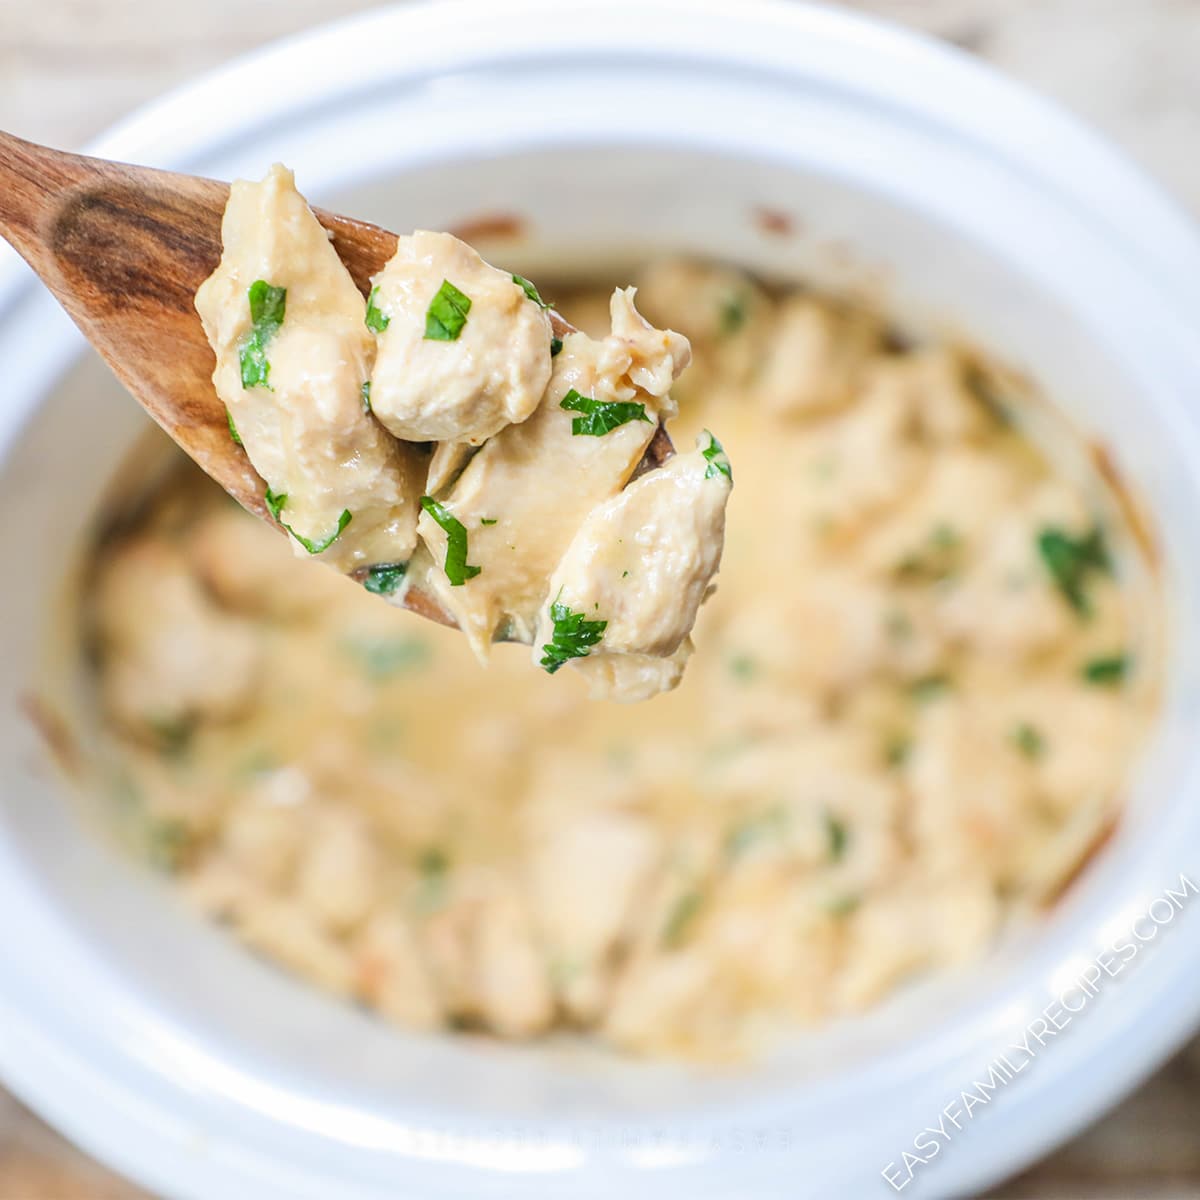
(614, 127)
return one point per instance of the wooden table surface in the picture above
(68, 68)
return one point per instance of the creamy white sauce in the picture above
(893, 741)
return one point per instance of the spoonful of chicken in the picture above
(403, 410)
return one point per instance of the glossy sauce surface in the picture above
(915, 696)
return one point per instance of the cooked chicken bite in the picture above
(293, 352)
(521, 499)
(463, 348)
(171, 656)
(639, 567)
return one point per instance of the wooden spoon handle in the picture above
(124, 249)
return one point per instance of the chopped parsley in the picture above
(1029, 740)
(572, 637)
(680, 918)
(447, 314)
(843, 906)
(173, 734)
(433, 861)
(529, 291)
(384, 578)
(376, 319)
(365, 392)
(267, 307)
(838, 836)
(743, 667)
(897, 750)
(167, 844)
(384, 658)
(928, 687)
(256, 764)
(1108, 671)
(934, 560)
(600, 416)
(1070, 561)
(233, 433)
(433, 866)
(717, 459)
(732, 313)
(458, 571)
(488, 520)
(276, 502)
(555, 346)
(768, 825)
(944, 537)
(316, 547)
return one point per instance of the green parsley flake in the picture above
(233, 433)
(769, 825)
(384, 578)
(600, 416)
(433, 861)
(375, 318)
(433, 867)
(1070, 561)
(897, 750)
(555, 346)
(316, 547)
(843, 906)
(743, 667)
(384, 658)
(275, 504)
(173, 734)
(167, 844)
(838, 836)
(717, 459)
(928, 687)
(1108, 671)
(365, 392)
(572, 637)
(936, 559)
(681, 917)
(267, 307)
(487, 520)
(458, 571)
(1029, 740)
(732, 313)
(529, 290)
(447, 314)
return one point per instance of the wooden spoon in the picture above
(124, 249)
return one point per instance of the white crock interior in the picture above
(122, 1012)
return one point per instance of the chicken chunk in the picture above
(390, 974)
(516, 522)
(587, 873)
(485, 960)
(464, 378)
(249, 569)
(293, 351)
(642, 562)
(171, 656)
(815, 357)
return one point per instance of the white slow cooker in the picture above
(613, 128)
